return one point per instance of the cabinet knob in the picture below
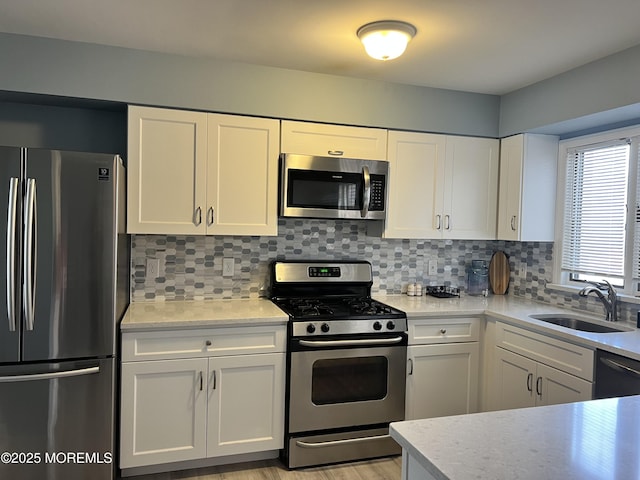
(208, 343)
(336, 153)
(443, 331)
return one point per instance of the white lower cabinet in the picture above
(442, 380)
(246, 398)
(443, 367)
(212, 405)
(524, 376)
(164, 412)
(522, 382)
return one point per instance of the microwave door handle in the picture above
(366, 194)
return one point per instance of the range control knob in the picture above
(377, 326)
(391, 325)
(311, 328)
(324, 327)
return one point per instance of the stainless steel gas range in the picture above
(346, 363)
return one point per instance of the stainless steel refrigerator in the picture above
(63, 289)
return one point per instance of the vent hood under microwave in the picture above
(327, 187)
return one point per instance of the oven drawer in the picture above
(443, 330)
(207, 342)
(319, 449)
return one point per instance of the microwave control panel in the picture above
(377, 193)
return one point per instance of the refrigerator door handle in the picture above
(12, 211)
(29, 246)
(49, 376)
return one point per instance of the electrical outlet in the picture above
(153, 268)
(433, 267)
(227, 267)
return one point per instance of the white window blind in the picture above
(595, 210)
(636, 216)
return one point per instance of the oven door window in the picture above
(344, 380)
(318, 189)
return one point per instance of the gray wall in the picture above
(600, 94)
(70, 69)
(64, 128)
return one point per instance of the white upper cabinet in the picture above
(441, 186)
(242, 175)
(166, 166)
(333, 140)
(527, 195)
(471, 194)
(416, 180)
(199, 173)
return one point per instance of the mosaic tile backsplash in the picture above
(191, 266)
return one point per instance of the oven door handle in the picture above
(332, 443)
(347, 343)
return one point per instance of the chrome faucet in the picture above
(610, 301)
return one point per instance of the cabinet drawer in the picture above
(443, 330)
(564, 356)
(333, 140)
(209, 342)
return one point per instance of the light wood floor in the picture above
(379, 469)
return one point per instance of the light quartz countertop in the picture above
(517, 311)
(201, 313)
(513, 310)
(598, 439)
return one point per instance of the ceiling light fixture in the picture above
(387, 39)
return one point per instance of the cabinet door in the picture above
(511, 158)
(246, 404)
(416, 179)
(334, 140)
(242, 175)
(555, 386)
(515, 380)
(471, 193)
(442, 380)
(163, 412)
(166, 184)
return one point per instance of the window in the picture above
(598, 240)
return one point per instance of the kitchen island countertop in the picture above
(597, 439)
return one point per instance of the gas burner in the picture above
(367, 306)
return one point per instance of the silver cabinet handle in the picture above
(447, 222)
(49, 376)
(197, 216)
(438, 226)
(410, 361)
(201, 380)
(513, 223)
(366, 193)
(340, 343)
(530, 382)
(332, 443)
(210, 217)
(335, 153)
(215, 380)
(539, 386)
(12, 211)
(30, 261)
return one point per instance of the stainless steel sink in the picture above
(576, 323)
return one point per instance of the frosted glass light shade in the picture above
(386, 40)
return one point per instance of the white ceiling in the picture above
(486, 46)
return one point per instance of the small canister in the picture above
(411, 289)
(478, 278)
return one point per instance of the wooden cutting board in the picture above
(499, 273)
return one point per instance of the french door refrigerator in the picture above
(63, 289)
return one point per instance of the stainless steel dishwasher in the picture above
(616, 376)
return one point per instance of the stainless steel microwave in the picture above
(326, 187)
